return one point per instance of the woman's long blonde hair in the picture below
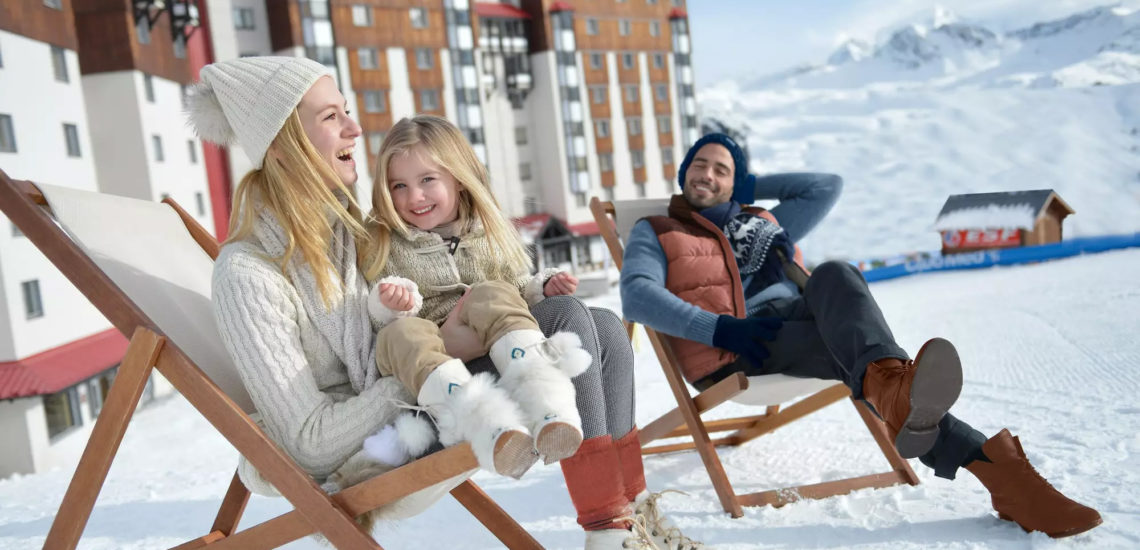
(296, 185)
(447, 146)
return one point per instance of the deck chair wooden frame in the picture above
(314, 510)
(685, 420)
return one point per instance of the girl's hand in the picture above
(562, 283)
(396, 297)
(460, 340)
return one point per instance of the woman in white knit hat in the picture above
(290, 298)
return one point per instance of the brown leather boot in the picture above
(912, 396)
(1021, 495)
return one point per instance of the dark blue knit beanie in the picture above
(743, 184)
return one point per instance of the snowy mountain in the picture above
(943, 106)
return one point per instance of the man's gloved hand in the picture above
(745, 337)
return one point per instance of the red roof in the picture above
(678, 13)
(499, 10)
(585, 228)
(560, 6)
(61, 367)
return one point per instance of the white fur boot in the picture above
(474, 409)
(537, 371)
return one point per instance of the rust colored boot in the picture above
(912, 396)
(1021, 495)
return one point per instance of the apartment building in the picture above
(90, 97)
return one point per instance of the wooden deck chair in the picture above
(616, 220)
(146, 266)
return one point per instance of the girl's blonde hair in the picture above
(448, 148)
(297, 186)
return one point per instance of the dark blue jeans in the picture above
(832, 332)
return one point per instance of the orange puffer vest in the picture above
(701, 270)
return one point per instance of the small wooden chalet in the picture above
(983, 221)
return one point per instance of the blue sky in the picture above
(749, 37)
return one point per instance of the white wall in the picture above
(400, 99)
(654, 171)
(39, 106)
(244, 41)
(176, 176)
(546, 135)
(16, 453)
(503, 155)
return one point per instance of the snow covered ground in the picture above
(1049, 351)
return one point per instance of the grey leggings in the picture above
(605, 391)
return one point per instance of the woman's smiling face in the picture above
(329, 128)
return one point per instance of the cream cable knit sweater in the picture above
(301, 388)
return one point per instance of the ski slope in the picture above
(1049, 351)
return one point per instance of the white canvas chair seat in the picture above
(148, 268)
(778, 389)
(802, 396)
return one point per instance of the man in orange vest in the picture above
(724, 281)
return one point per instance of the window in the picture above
(367, 58)
(658, 61)
(33, 303)
(664, 124)
(602, 128)
(637, 157)
(62, 411)
(156, 141)
(524, 171)
(54, 4)
(200, 203)
(7, 135)
(424, 59)
(1, 58)
(193, 149)
(640, 189)
(669, 185)
(595, 60)
(627, 60)
(630, 92)
(530, 205)
(520, 135)
(661, 92)
(142, 30)
(654, 28)
(374, 101)
(676, 3)
(59, 63)
(375, 139)
(667, 158)
(148, 86)
(598, 94)
(361, 15)
(71, 137)
(609, 191)
(419, 18)
(592, 27)
(243, 19)
(316, 10)
(606, 162)
(580, 199)
(625, 27)
(429, 100)
(16, 231)
(651, 2)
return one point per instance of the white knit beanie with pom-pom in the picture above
(248, 100)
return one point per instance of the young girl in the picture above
(439, 235)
